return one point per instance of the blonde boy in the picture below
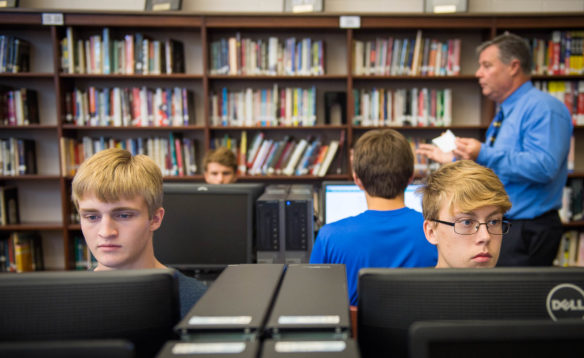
(463, 207)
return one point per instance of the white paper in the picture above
(446, 142)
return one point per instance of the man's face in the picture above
(219, 174)
(119, 234)
(480, 249)
(495, 77)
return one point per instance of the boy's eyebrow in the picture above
(494, 212)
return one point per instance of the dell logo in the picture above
(565, 301)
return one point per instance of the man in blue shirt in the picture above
(526, 145)
(388, 234)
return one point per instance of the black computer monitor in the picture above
(497, 338)
(341, 199)
(207, 226)
(140, 306)
(390, 300)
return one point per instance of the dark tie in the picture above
(496, 126)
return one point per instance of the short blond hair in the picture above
(467, 185)
(114, 174)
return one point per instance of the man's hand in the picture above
(467, 148)
(433, 152)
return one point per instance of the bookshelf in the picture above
(44, 197)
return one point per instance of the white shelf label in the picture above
(350, 22)
(52, 19)
(331, 319)
(213, 320)
(315, 346)
(208, 348)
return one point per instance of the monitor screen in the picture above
(140, 306)
(497, 338)
(390, 300)
(341, 199)
(207, 226)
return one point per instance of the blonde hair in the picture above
(115, 174)
(221, 155)
(467, 185)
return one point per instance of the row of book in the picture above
(571, 249)
(14, 54)
(84, 259)
(407, 57)
(403, 107)
(21, 252)
(560, 54)
(18, 107)
(9, 209)
(306, 156)
(174, 155)
(244, 56)
(289, 106)
(131, 54)
(138, 107)
(569, 92)
(17, 156)
(573, 201)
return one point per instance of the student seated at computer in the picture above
(388, 234)
(220, 166)
(119, 199)
(463, 206)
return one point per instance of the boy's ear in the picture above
(156, 220)
(358, 181)
(430, 232)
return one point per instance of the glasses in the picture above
(471, 226)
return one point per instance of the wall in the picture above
(330, 6)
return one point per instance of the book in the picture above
(328, 159)
(9, 203)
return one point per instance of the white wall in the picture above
(330, 6)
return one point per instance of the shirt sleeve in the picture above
(545, 142)
(318, 255)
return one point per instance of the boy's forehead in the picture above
(91, 198)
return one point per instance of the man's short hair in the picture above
(114, 174)
(511, 47)
(221, 155)
(464, 184)
(384, 162)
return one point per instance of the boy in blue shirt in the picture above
(388, 234)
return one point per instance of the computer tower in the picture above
(299, 223)
(270, 224)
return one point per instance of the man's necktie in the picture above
(496, 126)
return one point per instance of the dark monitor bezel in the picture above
(390, 300)
(496, 338)
(250, 190)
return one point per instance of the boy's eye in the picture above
(125, 215)
(90, 217)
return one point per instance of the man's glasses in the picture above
(471, 226)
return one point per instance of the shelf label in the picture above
(52, 19)
(350, 22)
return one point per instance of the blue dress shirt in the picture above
(530, 151)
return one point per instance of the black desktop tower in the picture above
(270, 224)
(285, 224)
(299, 224)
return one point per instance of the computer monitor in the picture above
(206, 225)
(390, 300)
(140, 306)
(341, 199)
(497, 338)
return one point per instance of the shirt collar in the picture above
(509, 102)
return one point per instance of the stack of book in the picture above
(21, 252)
(17, 156)
(244, 56)
(264, 107)
(174, 155)
(18, 107)
(14, 54)
(406, 57)
(132, 54)
(560, 54)
(400, 107)
(139, 107)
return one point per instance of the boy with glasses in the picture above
(463, 207)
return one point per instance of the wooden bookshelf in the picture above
(49, 190)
